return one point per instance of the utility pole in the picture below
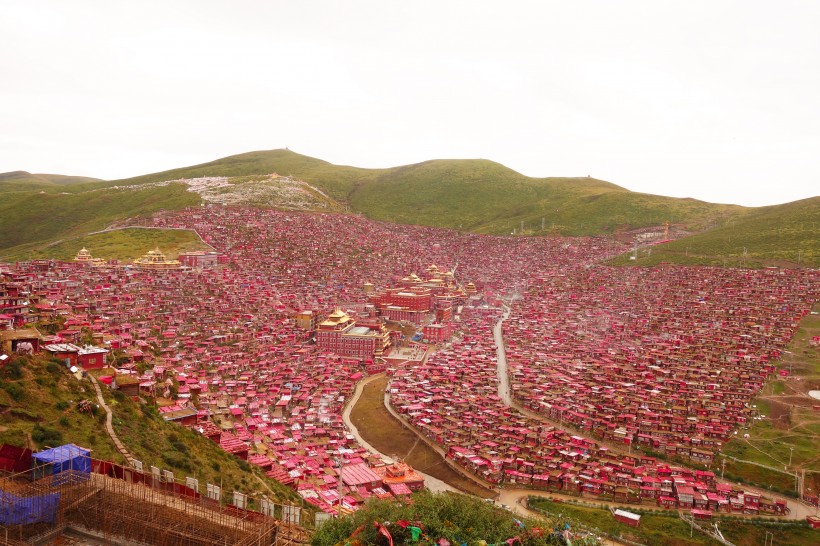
(722, 468)
(791, 449)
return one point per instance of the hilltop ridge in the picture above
(477, 195)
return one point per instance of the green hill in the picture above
(39, 407)
(120, 244)
(776, 235)
(335, 180)
(475, 195)
(25, 181)
(30, 219)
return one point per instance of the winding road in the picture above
(515, 499)
(798, 510)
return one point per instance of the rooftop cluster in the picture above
(666, 357)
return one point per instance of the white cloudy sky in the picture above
(718, 100)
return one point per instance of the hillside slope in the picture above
(784, 234)
(335, 180)
(476, 195)
(39, 406)
(120, 244)
(26, 181)
(29, 219)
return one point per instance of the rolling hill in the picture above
(475, 195)
(122, 244)
(779, 235)
(39, 407)
(26, 181)
(471, 194)
(29, 220)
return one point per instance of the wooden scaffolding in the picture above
(40, 511)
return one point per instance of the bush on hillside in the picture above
(458, 518)
(46, 436)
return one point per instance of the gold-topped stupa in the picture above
(84, 256)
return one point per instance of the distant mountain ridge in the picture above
(476, 195)
(26, 181)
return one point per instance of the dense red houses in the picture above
(231, 347)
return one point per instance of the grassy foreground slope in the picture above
(784, 234)
(440, 518)
(665, 526)
(39, 407)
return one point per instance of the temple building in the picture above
(415, 298)
(156, 260)
(400, 473)
(339, 334)
(84, 257)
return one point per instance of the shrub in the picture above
(46, 436)
(14, 369)
(14, 389)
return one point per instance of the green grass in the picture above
(337, 181)
(662, 528)
(475, 195)
(123, 244)
(777, 235)
(29, 219)
(665, 527)
(385, 433)
(458, 518)
(24, 181)
(38, 398)
(792, 427)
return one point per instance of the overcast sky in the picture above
(716, 100)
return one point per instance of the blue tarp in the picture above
(16, 510)
(58, 460)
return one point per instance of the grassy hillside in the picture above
(777, 235)
(476, 195)
(38, 407)
(25, 181)
(456, 518)
(790, 434)
(120, 244)
(665, 527)
(335, 180)
(29, 219)
(486, 197)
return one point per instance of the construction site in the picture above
(71, 504)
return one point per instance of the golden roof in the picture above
(336, 317)
(155, 259)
